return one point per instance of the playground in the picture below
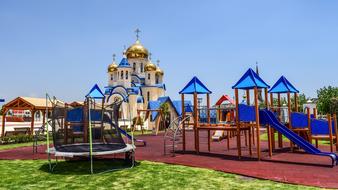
(90, 134)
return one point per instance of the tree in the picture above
(165, 113)
(327, 100)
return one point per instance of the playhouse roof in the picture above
(249, 80)
(155, 105)
(283, 86)
(195, 86)
(95, 92)
(224, 98)
(178, 106)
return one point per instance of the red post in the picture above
(32, 122)
(208, 116)
(3, 122)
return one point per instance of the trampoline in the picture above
(88, 131)
(99, 149)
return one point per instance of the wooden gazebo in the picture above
(25, 103)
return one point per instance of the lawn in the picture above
(33, 174)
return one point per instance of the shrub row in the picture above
(19, 139)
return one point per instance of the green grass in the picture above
(33, 174)
(264, 137)
(17, 145)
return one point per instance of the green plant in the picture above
(140, 121)
(327, 100)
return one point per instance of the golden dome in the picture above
(159, 71)
(137, 50)
(112, 67)
(150, 66)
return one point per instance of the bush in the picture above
(16, 139)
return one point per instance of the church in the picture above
(135, 79)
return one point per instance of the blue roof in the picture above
(133, 90)
(195, 86)
(250, 80)
(154, 105)
(95, 92)
(178, 106)
(283, 86)
(124, 63)
(2, 100)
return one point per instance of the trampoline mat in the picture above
(84, 147)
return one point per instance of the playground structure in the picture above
(88, 131)
(249, 119)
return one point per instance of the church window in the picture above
(111, 77)
(148, 76)
(127, 75)
(157, 79)
(134, 67)
(148, 96)
(141, 67)
(121, 74)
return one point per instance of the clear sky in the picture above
(64, 47)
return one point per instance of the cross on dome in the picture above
(137, 31)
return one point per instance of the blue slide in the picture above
(268, 117)
(129, 136)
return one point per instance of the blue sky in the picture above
(64, 47)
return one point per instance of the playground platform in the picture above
(284, 166)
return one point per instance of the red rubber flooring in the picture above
(284, 166)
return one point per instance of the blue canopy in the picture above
(250, 80)
(95, 93)
(195, 85)
(283, 86)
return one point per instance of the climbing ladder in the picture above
(173, 135)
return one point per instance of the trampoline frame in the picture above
(128, 150)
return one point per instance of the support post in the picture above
(238, 126)
(280, 138)
(336, 128)
(268, 126)
(272, 130)
(296, 102)
(183, 117)
(32, 121)
(208, 116)
(309, 124)
(289, 115)
(195, 122)
(330, 131)
(257, 124)
(3, 122)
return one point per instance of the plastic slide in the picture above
(218, 135)
(268, 117)
(123, 132)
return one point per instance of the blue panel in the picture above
(299, 120)
(178, 106)
(321, 127)
(95, 115)
(2, 100)
(246, 113)
(75, 115)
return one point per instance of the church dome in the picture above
(150, 66)
(159, 71)
(112, 67)
(137, 50)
